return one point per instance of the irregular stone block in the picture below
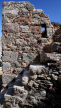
(54, 57)
(25, 77)
(10, 56)
(28, 57)
(37, 69)
(11, 101)
(6, 67)
(13, 11)
(7, 78)
(24, 11)
(25, 29)
(11, 27)
(45, 57)
(20, 91)
(29, 6)
(21, 42)
(35, 11)
(36, 16)
(49, 32)
(18, 71)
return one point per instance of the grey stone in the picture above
(29, 6)
(13, 11)
(33, 99)
(25, 29)
(21, 42)
(7, 78)
(6, 67)
(24, 11)
(49, 32)
(12, 47)
(10, 101)
(10, 56)
(18, 71)
(43, 93)
(37, 11)
(26, 48)
(36, 16)
(34, 22)
(11, 27)
(16, 64)
(28, 57)
(45, 57)
(20, 91)
(54, 57)
(25, 77)
(55, 77)
(37, 69)
(34, 41)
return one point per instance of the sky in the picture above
(50, 7)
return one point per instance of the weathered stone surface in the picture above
(29, 6)
(53, 47)
(35, 11)
(10, 56)
(11, 27)
(21, 42)
(7, 78)
(25, 77)
(6, 67)
(45, 57)
(25, 29)
(20, 91)
(13, 12)
(21, 32)
(36, 16)
(37, 69)
(54, 57)
(29, 56)
(24, 11)
(24, 55)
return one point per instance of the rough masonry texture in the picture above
(21, 40)
(31, 57)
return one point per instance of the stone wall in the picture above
(22, 39)
(31, 57)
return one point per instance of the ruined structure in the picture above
(22, 36)
(31, 57)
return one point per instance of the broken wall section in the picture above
(22, 38)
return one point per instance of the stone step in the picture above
(45, 57)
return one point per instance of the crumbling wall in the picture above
(22, 38)
(36, 55)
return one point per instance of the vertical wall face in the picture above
(22, 36)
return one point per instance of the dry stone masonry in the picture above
(21, 40)
(31, 57)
